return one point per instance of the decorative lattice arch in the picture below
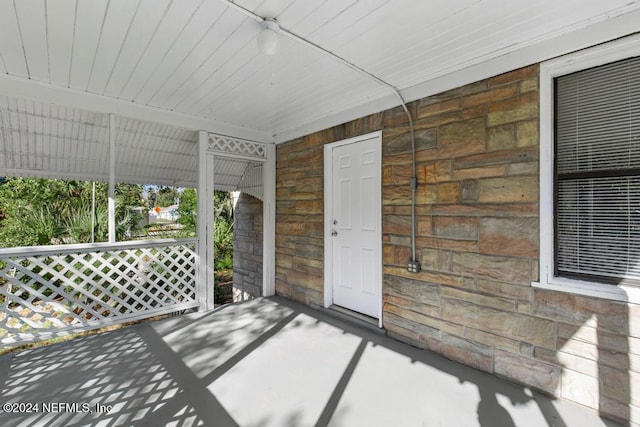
(225, 145)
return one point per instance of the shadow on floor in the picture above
(260, 363)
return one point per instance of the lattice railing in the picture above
(54, 290)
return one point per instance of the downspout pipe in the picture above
(413, 265)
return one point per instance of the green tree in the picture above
(129, 195)
(49, 211)
(39, 227)
(223, 222)
(188, 210)
(29, 209)
(223, 216)
(167, 196)
(223, 229)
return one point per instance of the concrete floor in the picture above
(267, 362)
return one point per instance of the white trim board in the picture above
(269, 223)
(50, 94)
(593, 57)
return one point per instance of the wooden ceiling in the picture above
(195, 63)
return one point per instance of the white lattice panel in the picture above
(53, 293)
(239, 147)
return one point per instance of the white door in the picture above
(355, 225)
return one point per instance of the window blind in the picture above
(597, 143)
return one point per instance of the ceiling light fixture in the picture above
(268, 39)
(270, 32)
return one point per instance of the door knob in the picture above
(334, 233)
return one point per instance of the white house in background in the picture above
(168, 213)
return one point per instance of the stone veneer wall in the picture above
(477, 240)
(247, 248)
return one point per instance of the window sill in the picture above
(611, 292)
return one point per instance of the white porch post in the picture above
(269, 222)
(112, 179)
(205, 223)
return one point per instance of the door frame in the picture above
(328, 203)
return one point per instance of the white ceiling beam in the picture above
(42, 92)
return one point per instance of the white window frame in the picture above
(549, 70)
